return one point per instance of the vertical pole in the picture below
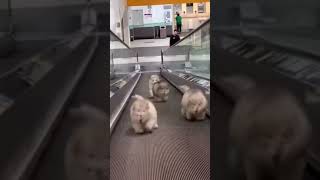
(161, 57)
(137, 57)
(112, 61)
(188, 55)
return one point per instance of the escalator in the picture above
(169, 152)
(178, 149)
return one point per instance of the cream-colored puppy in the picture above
(143, 115)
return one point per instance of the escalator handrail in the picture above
(190, 34)
(41, 53)
(122, 42)
(264, 41)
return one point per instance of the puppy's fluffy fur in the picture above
(153, 79)
(86, 149)
(161, 91)
(270, 132)
(193, 104)
(143, 115)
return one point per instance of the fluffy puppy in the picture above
(193, 104)
(153, 79)
(143, 115)
(161, 91)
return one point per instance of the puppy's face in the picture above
(154, 79)
(164, 88)
(140, 109)
(195, 105)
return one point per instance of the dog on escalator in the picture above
(161, 91)
(143, 115)
(153, 80)
(158, 89)
(194, 104)
(269, 130)
(85, 155)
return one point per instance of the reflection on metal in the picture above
(111, 94)
(121, 82)
(137, 68)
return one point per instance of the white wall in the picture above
(157, 13)
(119, 10)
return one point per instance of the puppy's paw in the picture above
(189, 116)
(139, 131)
(156, 126)
(149, 130)
(149, 127)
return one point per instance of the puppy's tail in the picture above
(136, 96)
(235, 85)
(184, 88)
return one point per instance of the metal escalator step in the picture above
(170, 152)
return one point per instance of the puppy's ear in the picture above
(184, 88)
(147, 106)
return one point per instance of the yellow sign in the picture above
(159, 2)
